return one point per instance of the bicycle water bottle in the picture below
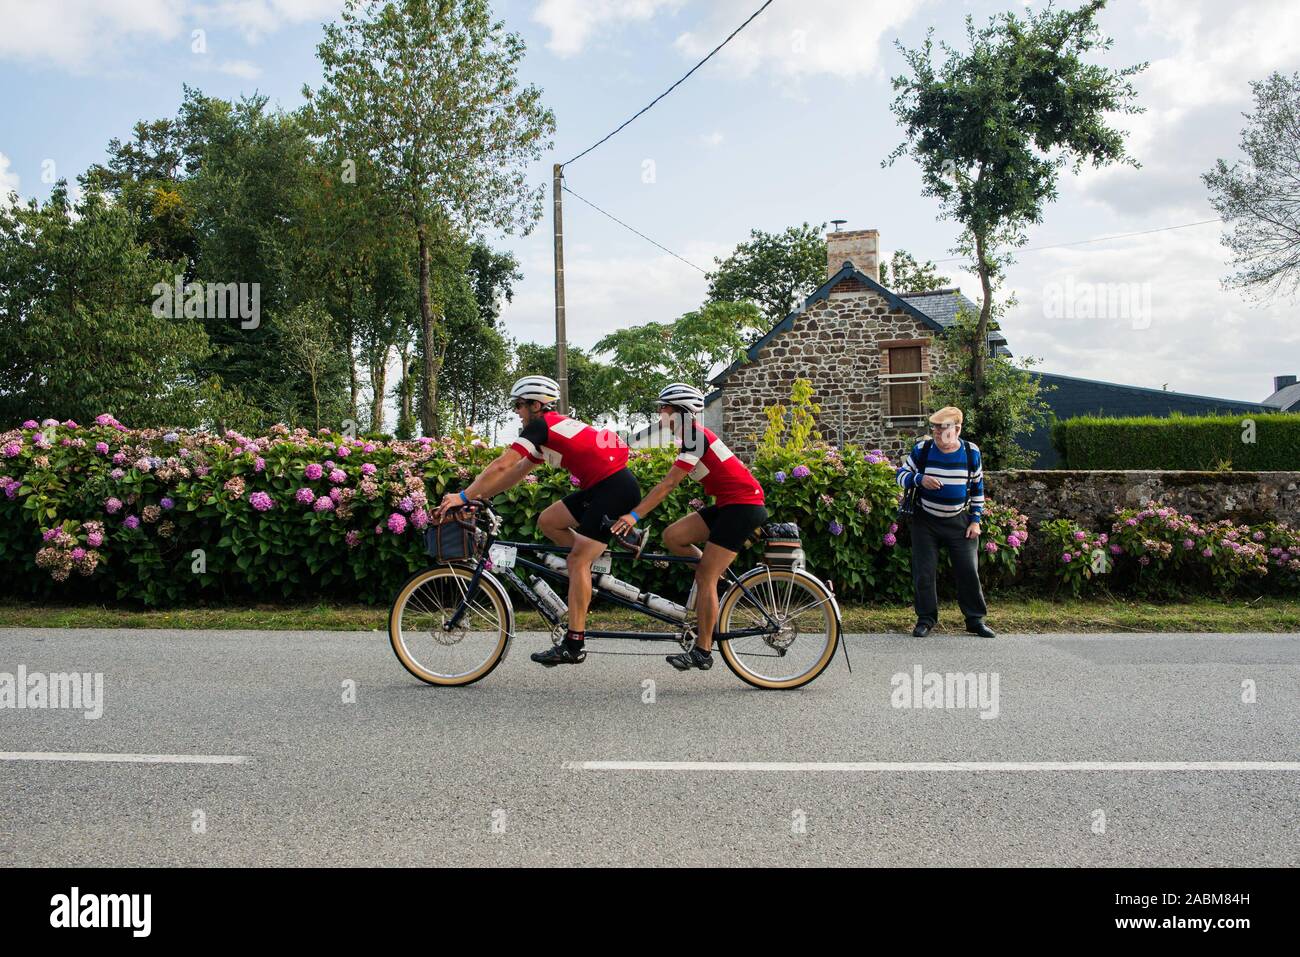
(551, 601)
(622, 589)
(556, 563)
(665, 607)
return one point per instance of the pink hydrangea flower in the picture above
(368, 469)
(343, 451)
(890, 539)
(131, 521)
(31, 424)
(12, 449)
(801, 471)
(352, 538)
(261, 501)
(305, 496)
(338, 476)
(991, 547)
(324, 504)
(1067, 557)
(112, 505)
(313, 472)
(397, 523)
(95, 539)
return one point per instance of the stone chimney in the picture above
(858, 246)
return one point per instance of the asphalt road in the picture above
(497, 773)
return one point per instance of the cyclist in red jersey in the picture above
(737, 510)
(597, 458)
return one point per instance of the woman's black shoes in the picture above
(559, 655)
(687, 660)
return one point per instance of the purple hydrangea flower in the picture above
(324, 504)
(779, 477)
(368, 469)
(890, 540)
(305, 496)
(338, 476)
(313, 472)
(407, 505)
(117, 475)
(260, 501)
(31, 424)
(801, 471)
(101, 448)
(171, 438)
(167, 503)
(836, 528)
(131, 521)
(112, 505)
(12, 449)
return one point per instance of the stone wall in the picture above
(837, 343)
(1090, 497)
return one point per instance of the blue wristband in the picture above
(635, 516)
(462, 497)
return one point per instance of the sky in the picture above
(788, 124)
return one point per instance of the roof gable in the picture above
(847, 271)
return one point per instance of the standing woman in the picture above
(737, 510)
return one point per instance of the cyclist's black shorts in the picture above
(731, 525)
(612, 496)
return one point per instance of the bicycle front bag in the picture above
(452, 541)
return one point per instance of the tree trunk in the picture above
(354, 383)
(378, 385)
(428, 328)
(405, 390)
(982, 329)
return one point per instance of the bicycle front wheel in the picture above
(461, 655)
(799, 630)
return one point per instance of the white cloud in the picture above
(257, 18)
(78, 35)
(800, 39)
(241, 68)
(573, 23)
(1194, 97)
(712, 139)
(1178, 325)
(74, 33)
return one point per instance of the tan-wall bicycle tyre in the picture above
(817, 590)
(489, 590)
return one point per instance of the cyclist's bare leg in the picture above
(585, 551)
(556, 523)
(707, 573)
(680, 537)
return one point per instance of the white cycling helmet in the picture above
(683, 396)
(536, 388)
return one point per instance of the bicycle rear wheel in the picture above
(804, 640)
(466, 653)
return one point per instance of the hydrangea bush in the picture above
(100, 511)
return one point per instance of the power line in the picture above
(675, 85)
(1098, 239)
(634, 230)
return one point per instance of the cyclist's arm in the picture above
(508, 469)
(661, 491)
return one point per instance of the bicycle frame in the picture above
(551, 574)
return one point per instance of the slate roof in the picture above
(1286, 399)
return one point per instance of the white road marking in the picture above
(127, 758)
(927, 766)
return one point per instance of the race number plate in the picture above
(603, 564)
(503, 556)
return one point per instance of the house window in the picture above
(904, 383)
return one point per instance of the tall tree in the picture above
(775, 271)
(1259, 197)
(902, 273)
(426, 93)
(992, 127)
(79, 332)
(649, 356)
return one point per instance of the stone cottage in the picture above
(869, 352)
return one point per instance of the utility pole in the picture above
(561, 349)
